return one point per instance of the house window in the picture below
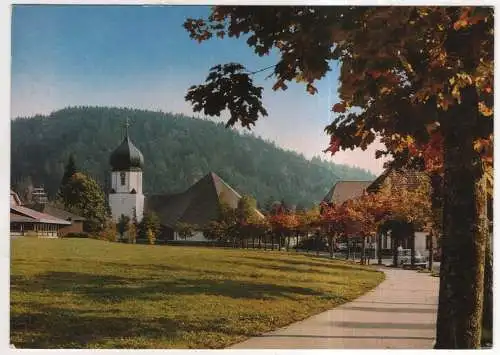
(122, 178)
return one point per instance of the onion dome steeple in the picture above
(126, 157)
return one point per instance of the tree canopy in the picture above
(85, 197)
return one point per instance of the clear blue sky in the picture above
(142, 57)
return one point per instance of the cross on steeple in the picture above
(127, 124)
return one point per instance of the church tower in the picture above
(126, 180)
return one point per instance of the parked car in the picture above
(404, 258)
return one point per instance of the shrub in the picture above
(151, 236)
(109, 232)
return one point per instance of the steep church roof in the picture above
(198, 205)
(126, 157)
(346, 190)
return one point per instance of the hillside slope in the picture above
(178, 150)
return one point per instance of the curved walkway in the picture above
(400, 313)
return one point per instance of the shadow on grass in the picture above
(105, 288)
(53, 327)
(271, 265)
(328, 264)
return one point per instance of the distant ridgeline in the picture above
(178, 150)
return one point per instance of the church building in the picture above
(197, 206)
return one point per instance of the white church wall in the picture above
(133, 180)
(124, 203)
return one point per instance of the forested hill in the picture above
(178, 150)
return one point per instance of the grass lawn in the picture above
(83, 293)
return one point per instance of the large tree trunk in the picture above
(463, 240)
(288, 236)
(330, 245)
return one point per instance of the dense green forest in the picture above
(178, 150)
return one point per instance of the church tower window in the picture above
(122, 178)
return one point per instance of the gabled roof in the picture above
(198, 205)
(402, 179)
(346, 190)
(37, 216)
(56, 212)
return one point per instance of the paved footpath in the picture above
(400, 313)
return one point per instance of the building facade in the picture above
(125, 195)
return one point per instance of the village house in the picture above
(25, 221)
(405, 179)
(345, 190)
(76, 221)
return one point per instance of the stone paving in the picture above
(400, 313)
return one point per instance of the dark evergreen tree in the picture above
(69, 171)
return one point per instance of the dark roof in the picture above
(56, 212)
(126, 157)
(37, 216)
(346, 190)
(198, 205)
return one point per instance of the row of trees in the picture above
(398, 210)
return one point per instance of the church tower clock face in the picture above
(126, 197)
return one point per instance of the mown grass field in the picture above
(83, 293)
